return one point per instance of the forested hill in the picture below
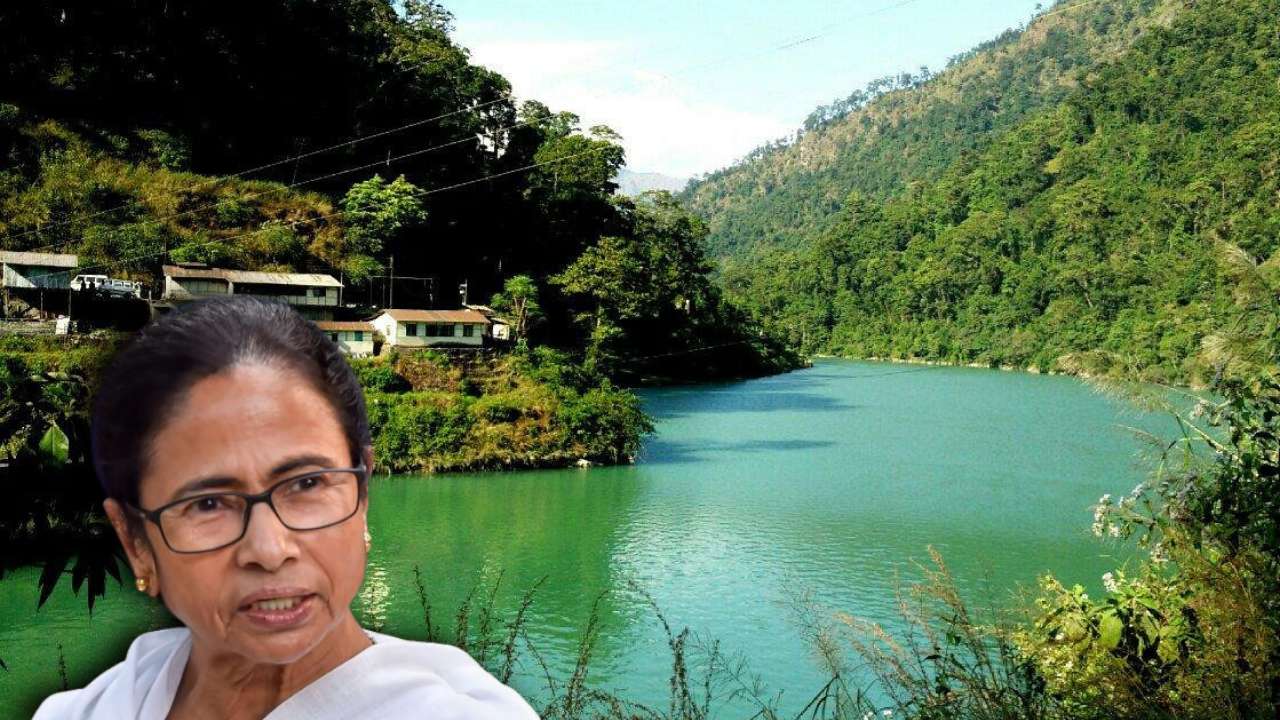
(345, 137)
(911, 127)
(1109, 232)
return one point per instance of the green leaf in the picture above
(53, 569)
(55, 446)
(1109, 629)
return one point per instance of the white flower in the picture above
(1104, 499)
(1113, 530)
(1137, 490)
(888, 713)
(1109, 582)
(1097, 528)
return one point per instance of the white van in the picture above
(81, 283)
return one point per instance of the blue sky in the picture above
(693, 85)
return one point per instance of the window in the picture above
(411, 329)
(333, 336)
(468, 331)
(359, 335)
(317, 292)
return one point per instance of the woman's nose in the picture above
(266, 542)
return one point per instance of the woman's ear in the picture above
(368, 459)
(136, 547)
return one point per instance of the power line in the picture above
(284, 188)
(790, 43)
(824, 31)
(318, 218)
(294, 158)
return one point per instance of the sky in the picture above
(693, 85)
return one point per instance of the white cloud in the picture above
(666, 125)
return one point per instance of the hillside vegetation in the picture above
(1106, 233)
(909, 128)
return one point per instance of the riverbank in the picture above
(1078, 369)
(534, 409)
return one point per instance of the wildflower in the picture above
(1113, 530)
(888, 713)
(1109, 582)
(1097, 528)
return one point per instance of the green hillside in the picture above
(1095, 228)
(911, 127)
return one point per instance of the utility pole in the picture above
(462, 290)
(391, 284)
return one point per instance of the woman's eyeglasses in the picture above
(212, 521)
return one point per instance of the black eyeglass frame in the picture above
(251, 499)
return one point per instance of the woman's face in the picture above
(254, 425)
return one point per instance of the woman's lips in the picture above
(280, 612)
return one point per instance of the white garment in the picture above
(393, 678)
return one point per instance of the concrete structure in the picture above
(426, 328)
(314, 295)
(29, 270)
(353, 338)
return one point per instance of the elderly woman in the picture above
(232, 442)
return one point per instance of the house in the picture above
(30, 270)
(354, 338)
(499, 328)
(426, 328)
(313, 295)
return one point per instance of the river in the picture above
(819, 488)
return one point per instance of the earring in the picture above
(368, 540)
(141, 584)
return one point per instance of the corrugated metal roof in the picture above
(13, 257)
(253, 276)
(447, 316)
(344, 325)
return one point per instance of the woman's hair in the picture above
(150, 376)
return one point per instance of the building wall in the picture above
(347, 342)
(294, 295)
(36, 276)
(187, 288)
(400, 337)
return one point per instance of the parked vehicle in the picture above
(81, 283)
(106, 286)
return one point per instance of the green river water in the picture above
(828, 481)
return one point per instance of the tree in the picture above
(519, 300)
(377, 214)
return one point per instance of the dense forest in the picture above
(1098, 235)
(910, 127)
(337, 137)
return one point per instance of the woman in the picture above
(232, 443)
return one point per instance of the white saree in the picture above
(393, 678)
